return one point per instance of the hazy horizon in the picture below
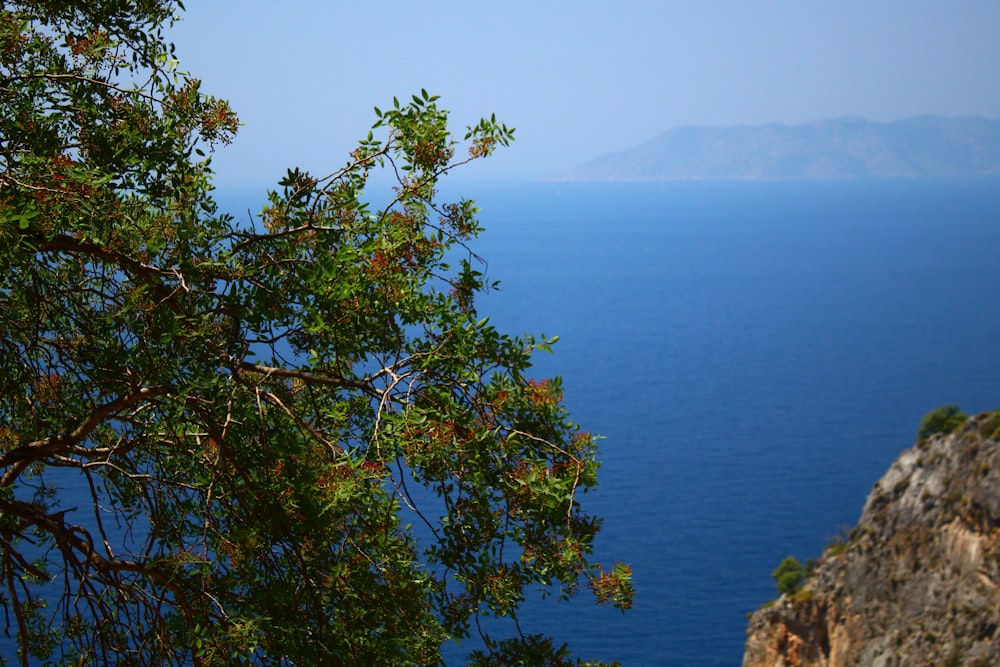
(577, 80)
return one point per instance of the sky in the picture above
(577, 78)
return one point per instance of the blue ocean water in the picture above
(755, 355)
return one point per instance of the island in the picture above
(848, 147)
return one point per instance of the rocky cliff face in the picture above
(918, 580)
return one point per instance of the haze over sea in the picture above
(755, 355)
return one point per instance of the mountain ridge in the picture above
(846, 147)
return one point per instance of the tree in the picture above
(283, 441)
(789, 575)
(942, 420)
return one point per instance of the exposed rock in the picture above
(917, 582)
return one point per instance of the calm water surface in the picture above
(756, 355)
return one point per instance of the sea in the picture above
(755, 355)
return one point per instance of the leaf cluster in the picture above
(943, 420)
(790, 574)
(289, 440)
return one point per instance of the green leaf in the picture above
(277, 396)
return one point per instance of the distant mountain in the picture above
(842, 148)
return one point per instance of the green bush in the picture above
(944, 420)
(789, 575)
(990, 428)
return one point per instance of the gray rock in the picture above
(918, 582)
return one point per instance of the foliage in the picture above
(789, 575)
(285, 442)
(990, 426)
(943, 420)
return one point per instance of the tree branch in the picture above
(309, 378)
(74, 539)
(19, 458)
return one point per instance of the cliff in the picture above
(839, 148)
(918, 580)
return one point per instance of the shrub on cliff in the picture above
(789, 575)
(990, 427)
(944, 420)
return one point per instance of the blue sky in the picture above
(576, 78)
